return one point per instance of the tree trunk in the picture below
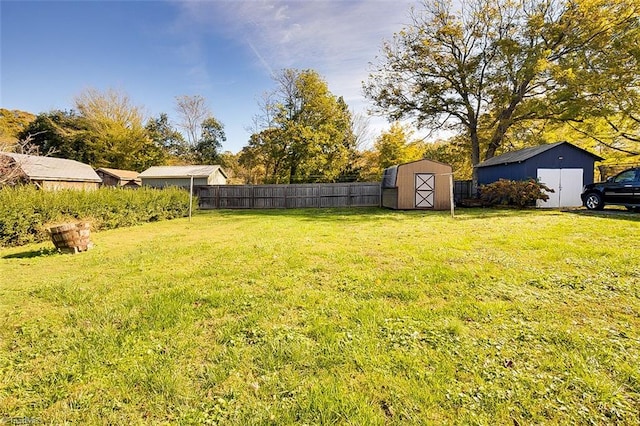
(505, 120)
(475, 160)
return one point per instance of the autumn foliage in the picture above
(519, 193)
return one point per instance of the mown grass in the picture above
(329, 317)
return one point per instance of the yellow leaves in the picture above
(542, 65)
(393, 147)
(114, 128)
(565, 75)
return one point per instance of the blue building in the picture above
(561, 166)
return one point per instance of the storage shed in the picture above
(55, 173)
(120, 178)
(180, 176)
(561, 166)
(422, 184)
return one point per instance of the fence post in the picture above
(451, 199)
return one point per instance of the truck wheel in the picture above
(594, 201)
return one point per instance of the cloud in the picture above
(319, 33)
(337, 38)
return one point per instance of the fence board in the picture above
(289, 196)
(302, 195)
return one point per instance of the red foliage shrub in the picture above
(519, 193)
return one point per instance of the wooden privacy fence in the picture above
(288, 196)
(462, 189)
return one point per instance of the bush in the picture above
(519, 193)
(27, 212)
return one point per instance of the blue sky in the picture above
(223, 50)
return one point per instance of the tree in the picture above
(11, 172)
(452, 152)
(12, 123)
(105, 130)
(114, 133)
(305, 132)
(252, 164)
(59, 131)
(163, 135)
(192, 110)
(489, 65)
(392, 147)
(207, 150)
(266, 157)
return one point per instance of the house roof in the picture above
(120, 174)
(181, 171)
(524, 154)
(55, 169)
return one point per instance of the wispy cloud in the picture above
(338, 38)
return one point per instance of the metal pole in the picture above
(190, 197)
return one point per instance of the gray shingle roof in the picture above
(118, 173)
(524, 154)
(181, 171)
(51, 168)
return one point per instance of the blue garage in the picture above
(561, 166)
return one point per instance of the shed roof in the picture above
(390, 174)
(51, 168)
(524, 154)
(181, 171)
(120, 174)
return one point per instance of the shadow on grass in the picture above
(33, 253)
(371, 213)
(617, 214)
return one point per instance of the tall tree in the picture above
(486, 65)
(166, 137)
(61, 132)
(207, 150)
(306, 134)
(115, 134)
(192, 110)
(105, 130)
(12, 123)
(396, 147)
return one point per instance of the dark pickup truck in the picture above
(622, 189)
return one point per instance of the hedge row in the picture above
(26, 212)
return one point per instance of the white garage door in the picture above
(567, 184)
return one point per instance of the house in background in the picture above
(119, 178)
(561, 166)
(180, 176)
(55, 173)
(422, 184)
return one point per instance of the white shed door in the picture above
(425, 186)
(567, 184)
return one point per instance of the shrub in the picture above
(519, 193)
(27, 212)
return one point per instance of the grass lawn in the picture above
(361, 317)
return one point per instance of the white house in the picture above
(180, 176)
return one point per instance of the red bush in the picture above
(519, 193)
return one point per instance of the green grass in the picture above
(359, 317)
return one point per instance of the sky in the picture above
(224, 50)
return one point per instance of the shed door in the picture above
(425, 185)
(567, 184)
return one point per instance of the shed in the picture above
(117, 177)
(422, 184)
(180, 176)
(561, 166)
(55, 173)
